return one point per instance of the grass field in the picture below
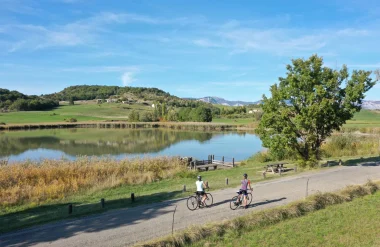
(355, 223)
(237, 121)
(82, 112)
(87, 201)
(364, 118)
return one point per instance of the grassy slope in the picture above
(350, 224)
(82, 112)
(365, 118)
(88, 202)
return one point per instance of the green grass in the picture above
(355, 223)
(82, 112)
(236, 121)
(16, 217)
(364, 118)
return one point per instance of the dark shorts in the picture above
(200, 193)
(244, 192)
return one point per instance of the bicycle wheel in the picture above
(209, 200)
(233, 204)
(192, 203)
(249, 198)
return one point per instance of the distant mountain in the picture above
(371, 104)
(367, 104)
(220, 101)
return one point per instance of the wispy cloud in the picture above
(127, 78)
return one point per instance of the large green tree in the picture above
(308, 104)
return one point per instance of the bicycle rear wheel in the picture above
(233, 204)
(209, 200)
(192, 203)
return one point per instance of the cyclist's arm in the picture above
(204, 186)
(250, 187)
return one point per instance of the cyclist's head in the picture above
(199, 178)
(245, 175)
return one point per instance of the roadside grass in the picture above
(79, 111)
(355, 223)
(316, 221)
(86, 201)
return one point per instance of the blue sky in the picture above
(231, 49)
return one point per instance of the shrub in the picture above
(72, 120)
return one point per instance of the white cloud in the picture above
(127, 78)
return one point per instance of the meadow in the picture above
(82, 111)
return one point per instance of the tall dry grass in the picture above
(38, 182)
(242, 225)
(351, 145)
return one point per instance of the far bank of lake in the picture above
(123, 143)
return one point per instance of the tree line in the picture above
(164, 113)
(16, 101)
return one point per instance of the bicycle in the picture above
(235, 203)
(195, 201)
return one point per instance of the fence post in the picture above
(223, 159)
(184, 188)
(279, 171)
(264, 174)
(295, 169)
(70, 208)
(213, 157)
(226, 181)
(233, 162)
(132, 197)
(102, 202)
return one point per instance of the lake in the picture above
(123, 143)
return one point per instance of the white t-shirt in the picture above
(199, 185)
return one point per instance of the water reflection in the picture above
(120, 143)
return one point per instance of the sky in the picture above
(230, 49)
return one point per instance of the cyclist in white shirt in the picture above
(201, 189)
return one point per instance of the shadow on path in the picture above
(266, 202)
(66, 229)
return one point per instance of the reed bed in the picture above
(351, 145)
(264, 218)
(37, 182)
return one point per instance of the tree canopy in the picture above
(308, 104)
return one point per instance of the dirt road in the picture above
(127, 226)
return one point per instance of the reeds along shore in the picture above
(28, 182)
(123, 125)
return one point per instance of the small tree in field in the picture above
(308, 105)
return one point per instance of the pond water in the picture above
(122, 143)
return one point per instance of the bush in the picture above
(261, 157)
(72, 120)
(2, 123)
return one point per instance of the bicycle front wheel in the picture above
(233, 204)
(209, 200)
(249, 199)
(192, 203)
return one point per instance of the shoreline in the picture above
(126, 125)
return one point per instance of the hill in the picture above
(16, 101)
